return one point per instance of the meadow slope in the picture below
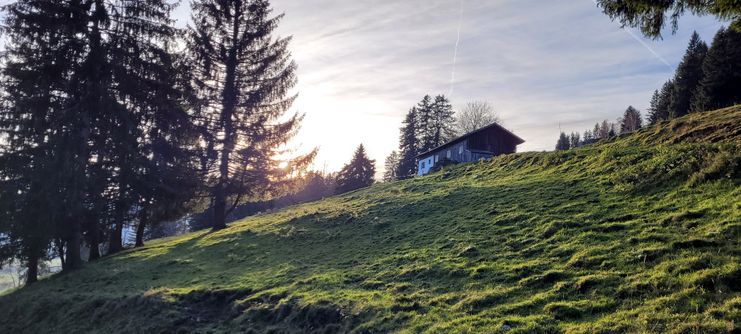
(639, 234)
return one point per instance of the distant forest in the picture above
(706, 79)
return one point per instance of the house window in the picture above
(422, 165)
(460, 150)
(448, 154)
(437, 157)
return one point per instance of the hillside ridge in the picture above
(641, 233)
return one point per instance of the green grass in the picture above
(641, 234)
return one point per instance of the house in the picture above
(484, 143)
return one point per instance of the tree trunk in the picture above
(74, 261)
(115, 243)
(32, 274)
(220, 193)
(228, 104)
(60, 252)
(94, 241)
(140, 229)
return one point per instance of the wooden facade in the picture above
(484, 143)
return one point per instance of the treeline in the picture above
(429, 124)
(112, 117)
(706, 79)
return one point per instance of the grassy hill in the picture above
(640, 234)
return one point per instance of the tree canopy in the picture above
(651, 16)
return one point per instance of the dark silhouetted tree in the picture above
(408, 146)
(242, 76)
(435, 122)
(659, 108)
(721, 83)
(563, 142)
(359, 173)
(651, 16)
(575, 140)
(688, 76)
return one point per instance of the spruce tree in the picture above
(39, 128)
(111, 112)
(688, 77)
(424, 125)
(359, 173)
(660, 110)
(408, 146)
(563, 142)
(721, 83)
(651, 16)
(575, 140)
(242, 76)
(653, 109)
(437, 122)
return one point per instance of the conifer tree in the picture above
(242, 76)
(721, 83)
(563, 142)
(436, 122)
(424, 124)
(688, 76)
(408, 146)
(588, 138)
(575, 140)
(42, 135)
(653, 109)
(442, 128)
(651, 16)
(107, 111)
(359, 173)
(659, 109)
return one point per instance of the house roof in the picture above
(496, 126)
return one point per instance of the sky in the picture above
(544, 65)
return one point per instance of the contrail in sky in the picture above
(455, 51)
(639, 40)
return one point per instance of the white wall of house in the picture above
(425, 164)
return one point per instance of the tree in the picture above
(602, 130)
(242, 78)
(721, 70)
(631, 120)
(653, 109)
(408, 146)
(424, 124)
(476, 115)
(97, 79)
(45, 127)
(435, 122)
(660, 102)
(563, 142)
(443, 121)
(359, 173)
(688, 76)
(651, 16)
(588, 138)
(391, 166)
(575, 140)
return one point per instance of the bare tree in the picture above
(476, 115)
